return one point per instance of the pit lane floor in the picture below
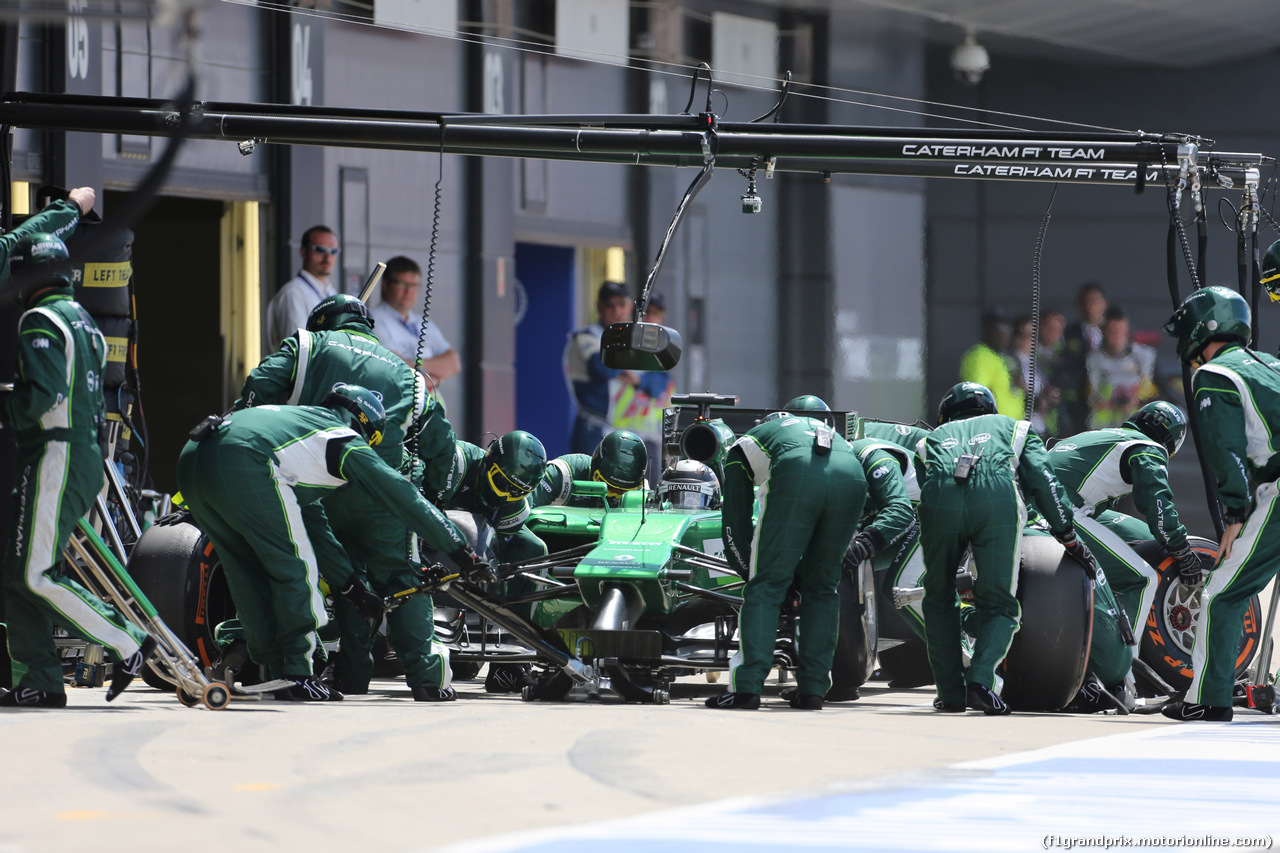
(381, 772)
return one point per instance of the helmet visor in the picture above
(689, 495)
(503, 486)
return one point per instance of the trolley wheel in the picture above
(713, 675)
(216, 696)
(187, 699)
(529, 693)
(661, 697)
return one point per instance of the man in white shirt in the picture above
(398, 326)
(292, 304)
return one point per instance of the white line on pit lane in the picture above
(1187, 780)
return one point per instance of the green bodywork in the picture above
(636, 545)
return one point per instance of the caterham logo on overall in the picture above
(980, 438)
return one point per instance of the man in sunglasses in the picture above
(291, 305)
(400, 328)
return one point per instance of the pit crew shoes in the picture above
(985, 700)
(308, 689)
(433, 694)
(735, 701)
(128, 669)
(508, 677)
(948, 707)
(1186, 712)
(25, 697)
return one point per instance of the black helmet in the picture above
(40, 260)
(1162, 422)
(337, 311)
(966, 400)
(690, 485)
(1271, 271)
(619, 461)
(514, 464)
(1209, 314)
(367, 415)
(807, 403)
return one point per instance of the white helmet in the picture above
(690, 485)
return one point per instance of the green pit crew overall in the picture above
(986, 514)
(1237, 399)
(302, 372)
(56, 410)
(1101, 467)
(254, 486)
(810, 504)
(556, 486)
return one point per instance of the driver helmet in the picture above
(513, 465)
(690, 485)
(619, 461)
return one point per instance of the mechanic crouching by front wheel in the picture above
(494, 485)
(977, 464)
(253, 482)
(811, 490)
(1101, 467)
(619, 461)
(57, 412)
(1236, 395)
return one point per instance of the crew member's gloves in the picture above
(474, 569)
(1079, 552)
(1187, 563)
(367, 603)
(862, 548)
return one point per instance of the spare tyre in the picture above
(1047, 661)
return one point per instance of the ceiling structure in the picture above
(1170, 33)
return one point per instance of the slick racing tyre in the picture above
(855, 657)
(903, 657)
(1046, 662)
(177, 569)
(1171, 625)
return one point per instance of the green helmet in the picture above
(775, 416)
(1271, 271)
(40, 260)
(807, 403)
(514, 464)
(619, 461)
(1209, 314)
(966, 400)
(367, 415)
(335, 312)
(1162, 422)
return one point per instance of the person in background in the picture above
(398, 328)
(986, 364)
(292, 304)
(596, 389)
(1049, 369)
(1120, 373)
(636, 408)
(1080, 339)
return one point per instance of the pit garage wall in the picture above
(981, 236)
